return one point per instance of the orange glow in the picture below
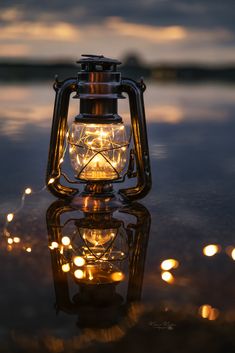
(211, 250)
(117, 276)
(79, 274)
(28, 249)
(208, 312)
(169, 264)
(167, 277)
(66, 267)
(204, 311)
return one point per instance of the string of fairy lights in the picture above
(27, 192)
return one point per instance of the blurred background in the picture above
(185, 50)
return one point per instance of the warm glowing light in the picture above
(10, 241)
(117, 276)
(96, 150)
(208, 312)
(61, 160)
(16, 240)
(98, 237)
(168, 264)
(79, 261)
(10, 217)
(28, 191)
(90, 275)
(211, 250)
(214, 313)
(204, 311)
(233, 254)
(167, 277)
(65, 267)
(65, 241)
(79, 274)
(28, 249)
(51, 181)
(54, 245)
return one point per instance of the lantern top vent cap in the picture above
(90, 62)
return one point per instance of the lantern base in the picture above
(97, 197)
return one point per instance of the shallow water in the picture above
(191, 138)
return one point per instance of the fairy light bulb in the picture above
(65, 267)
(167, 277)
(79, 261)
(169, 264)
(28, 191)
(10, 217)
(79, 274)
(51, 180)
(65, 241)
(211, 250)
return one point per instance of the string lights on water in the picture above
(27, 192)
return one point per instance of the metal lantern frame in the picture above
(139, 231)
(98, 86)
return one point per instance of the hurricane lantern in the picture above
(92, 253)
(101, 151)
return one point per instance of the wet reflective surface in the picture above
(187, 302)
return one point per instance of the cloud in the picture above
(13, 50)
(39, 31)
(159, 34)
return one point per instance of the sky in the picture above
(157, 30)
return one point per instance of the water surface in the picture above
(191, 137)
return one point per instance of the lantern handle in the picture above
(58, 135)
(135, 94)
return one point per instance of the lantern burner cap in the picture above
(91, 62)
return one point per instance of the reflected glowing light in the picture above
(10, 241)
(65, 267)
(233, 254)
(79, 274)
(10, 217)
(117, 276)
(54, 245)
(51, 181)
(169, 264)
(65, 241)
(28, 191)
(16, 240)
(167, 277)
(211, 250)
(208, 312)
(79, 261)
(28, 249)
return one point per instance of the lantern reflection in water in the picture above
(104, 251)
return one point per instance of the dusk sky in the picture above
(157, 30)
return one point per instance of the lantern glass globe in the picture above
(98, 151)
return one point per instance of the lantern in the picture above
(92, 255)
(101, 150)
